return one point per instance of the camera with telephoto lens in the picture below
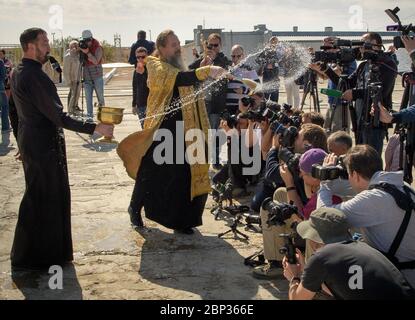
(255, 116)
(288, 136)
(231, 120)
(404, 29)
(252, 218)
(292, 160)
(289, 247)
(278, 213)
(248, 102)
(271, 110)
(344, 56)
(330, 172)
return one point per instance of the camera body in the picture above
(231, 120)
(330, 172)
(289, 248)
(344, 56)
(278, 212)
(83, 43)
(404, 29)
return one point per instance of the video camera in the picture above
(344, 56)
(278, 213)
(404, 29)
(330, 172)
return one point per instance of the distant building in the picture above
(254, 40)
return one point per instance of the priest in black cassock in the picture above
(43, 232)
(172, 194)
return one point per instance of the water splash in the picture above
(291, 58)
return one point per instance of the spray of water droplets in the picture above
(292, 60)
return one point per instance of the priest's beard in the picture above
(177, 62)
(42, 58)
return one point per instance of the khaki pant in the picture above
(271, 235)
(73, 97)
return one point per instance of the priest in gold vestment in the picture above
(172, 194)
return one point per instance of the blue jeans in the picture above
(90, 85)
(4, 107)
(261, 193)
(141, 112)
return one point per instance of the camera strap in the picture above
(403, 201)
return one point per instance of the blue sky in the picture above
(126, 17)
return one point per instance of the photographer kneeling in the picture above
(271, 231)
(382, 207)
(341, 267)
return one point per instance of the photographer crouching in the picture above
(242, 128)
(382, 208)
(295, 174)
(340, 267)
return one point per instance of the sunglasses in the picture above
(210, 46)
(236, 56)
(141, 57)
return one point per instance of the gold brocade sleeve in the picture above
(203, 73)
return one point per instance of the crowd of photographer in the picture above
(329, 212)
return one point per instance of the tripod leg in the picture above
(305, 94)
(242, 234)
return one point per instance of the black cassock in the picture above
(43, 232)
(164, 190)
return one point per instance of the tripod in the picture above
(234, 229)
(407, 131)
(226, 190)
(311, 88)
(80, 81)
(345, 106)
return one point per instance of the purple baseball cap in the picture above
(310, 157)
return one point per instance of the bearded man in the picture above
(43, 231)
(173, 194)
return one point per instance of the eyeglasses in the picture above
(237, 56)
(141, 57)
(210, 46)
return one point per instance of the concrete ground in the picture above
(112, 260)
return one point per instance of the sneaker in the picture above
(268, 271)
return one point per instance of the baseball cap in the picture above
(326, 225)
(311, 157)
(86, 34)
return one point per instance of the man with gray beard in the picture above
(172, 191)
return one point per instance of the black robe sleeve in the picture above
(45, 97)
(186, 79)
(14, 119)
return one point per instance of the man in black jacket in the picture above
(141, 42)
(215, 98)
(359, 80)
(140, 89)
(43, 231)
